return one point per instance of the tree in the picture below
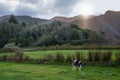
(13, 19)
(56, 23)
(91, 36)
(75, 35)
(74, 26)
(12, 40)
(23, 24)
(45, 40)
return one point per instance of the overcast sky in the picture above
(50, 8)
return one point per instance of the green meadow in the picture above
(39, 54)
(21, 71)
(29, 71)
(42, 53)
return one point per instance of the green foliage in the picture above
(12, 40)
(59, 57)
(55, 34)
(8, 32)
(74, 26)
(78, 42)
(23, 24)
(91, 36)
(56, 23)
(75, 35)
(13, 19)
(45, 40)
(99, 58)
(117, 57)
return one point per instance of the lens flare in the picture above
(86, 10)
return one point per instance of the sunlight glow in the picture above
(84, 9)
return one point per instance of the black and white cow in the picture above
(77, 63)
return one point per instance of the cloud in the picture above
(51, 8)
(65, 7)
(48, 8)
(3, 9)
(64, 3)
(31, 1)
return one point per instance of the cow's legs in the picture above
(80, 68)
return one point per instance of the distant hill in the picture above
(109, 23)
(27, 19)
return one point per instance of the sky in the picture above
(50, 8)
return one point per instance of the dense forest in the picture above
(44, 35)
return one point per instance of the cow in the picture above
(77, 63)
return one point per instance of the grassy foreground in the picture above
(17, 71)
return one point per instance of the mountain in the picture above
(109, 23)
(68, 19)
(27, 19)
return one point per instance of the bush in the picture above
(18, 56)
(70, 58)
(49, 58)
(4, 58)
(90, 56)
(79, 56)
(5, 50)
(46, 59)
(94, 56)
(117, 55)
(106, 56)
(26, 58)
(97, 56)
(59, 57)
(77, 42)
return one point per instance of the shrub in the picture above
(97, 56)
(46, 59)
(10, 58)
(79, 56)
(117, 55)
(69, 58)
(18, 56)
(49, 57)
(90, 56)
(25, 58)
(77, 42)
(5, 50)
(4, 58)
(106, 56)
(59, 57)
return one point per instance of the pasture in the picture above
(21, 71)
(39, 54)
(42, 53)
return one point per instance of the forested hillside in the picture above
(57, 33)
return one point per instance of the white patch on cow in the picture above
(80, 68)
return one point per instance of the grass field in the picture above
(39, 54)
(20, 71)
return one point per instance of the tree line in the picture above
(44, 35)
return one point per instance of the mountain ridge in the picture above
(109, 22)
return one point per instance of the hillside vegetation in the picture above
(43, 35)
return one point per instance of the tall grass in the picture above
(106, 56)
(94, 58)
(59, 57)
(117, 58)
